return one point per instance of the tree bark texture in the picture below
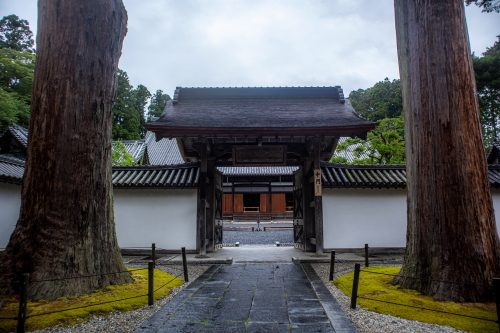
(66, 226)
(451, 233)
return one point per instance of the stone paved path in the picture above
(276, 297)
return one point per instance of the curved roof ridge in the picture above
(332, 92)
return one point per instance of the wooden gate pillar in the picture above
(210, 199)
(318, 198)
(201, 231)
(308, 194)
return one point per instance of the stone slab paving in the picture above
(269, 297)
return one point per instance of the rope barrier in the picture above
(347, 289)
(417, 278)
(175, 277)
(151, 292)
(417, 307)
(86, 306)
(79, 277)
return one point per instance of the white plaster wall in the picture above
(495, 194)
(165, 217)
(10, 204)
(355, 217)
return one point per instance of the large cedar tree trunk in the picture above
(451, 232)
(66, 226)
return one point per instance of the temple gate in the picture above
(248, 127)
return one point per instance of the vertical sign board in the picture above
(318, 188)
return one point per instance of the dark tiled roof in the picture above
(163, 152)
(257, 171)
(11, 170)
(268, 107)
(136, 176)
(14, 141)
(174, 176)
(494, 175)
(16, 157)
(371, 176)
(348, 154)
(187, 175)
(20, 133)
(182, 94)
(135, 148)
(494, 154)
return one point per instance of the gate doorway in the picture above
(269, 127)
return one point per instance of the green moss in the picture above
(376, 286)
(71, 317)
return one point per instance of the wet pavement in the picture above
(252, 297)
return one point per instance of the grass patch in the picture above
(71, 317)
(376, 286)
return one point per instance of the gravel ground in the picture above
(258, 237)
(121, 322)
(371, 322)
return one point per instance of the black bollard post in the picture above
(184, 264)
(367, 264)
(151, 282)
(23, 303)
(496, 289)
(332, 266)
(355, 284)
(153, 253)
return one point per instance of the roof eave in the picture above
(183, 131)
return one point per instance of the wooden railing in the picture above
(251, 209)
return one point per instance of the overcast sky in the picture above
(229, 43)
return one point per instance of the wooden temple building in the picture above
(267, 126)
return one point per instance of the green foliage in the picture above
(376, 286)
(16, 81)
(383, 145)
(487, 5)
(12, 110)
(487, 72)
(15, 34)
(141, 96)
(383, 100)
(128, 109)
(70, 317)
(120, 156)
(16, 72)
(158, 103)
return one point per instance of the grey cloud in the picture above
(263, 42)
